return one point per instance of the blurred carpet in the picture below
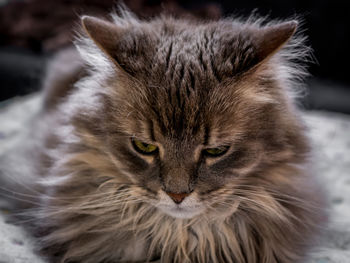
(330, 137)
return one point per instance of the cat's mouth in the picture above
(181, 211)
(190, 207)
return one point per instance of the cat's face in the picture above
(187, 144)
(186, 116)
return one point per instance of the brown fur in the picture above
(183, 86)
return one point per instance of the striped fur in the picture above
(182, 85)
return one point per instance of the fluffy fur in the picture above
(181, 85)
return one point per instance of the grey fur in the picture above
(183, 86)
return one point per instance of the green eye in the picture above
(144, 148)
(214, 152)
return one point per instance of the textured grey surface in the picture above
(330, 137)
(15, 245)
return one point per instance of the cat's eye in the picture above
(143, 147)
(215, 152)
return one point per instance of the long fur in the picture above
(90, 205)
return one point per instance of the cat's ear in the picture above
(104, 34)
(271, 39)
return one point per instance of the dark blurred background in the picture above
(32, 30)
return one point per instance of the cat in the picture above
(173, 140)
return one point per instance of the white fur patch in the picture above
(188, 208)
(53, 180)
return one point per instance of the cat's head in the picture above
(193, 111)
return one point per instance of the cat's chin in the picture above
(179, 211)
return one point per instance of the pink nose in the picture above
(178, 198)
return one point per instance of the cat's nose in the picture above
(177, 198)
